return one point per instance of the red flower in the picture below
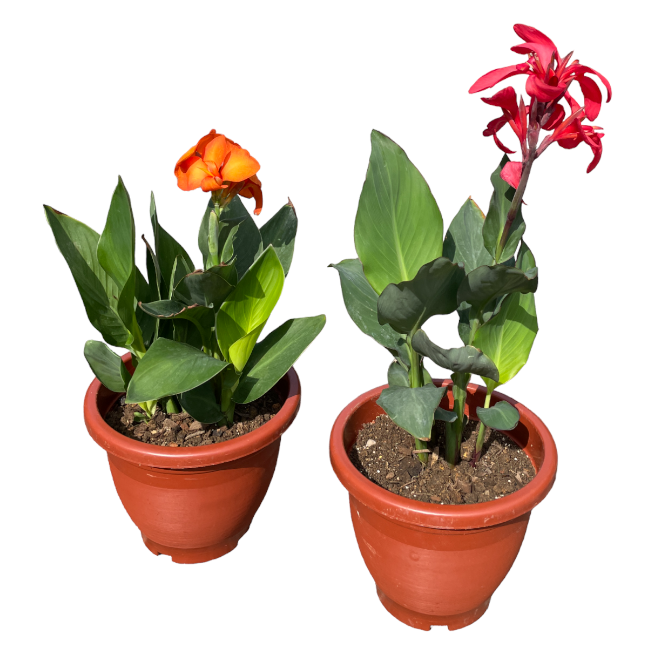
(549, 75)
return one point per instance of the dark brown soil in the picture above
(383, 453)
(181, 430)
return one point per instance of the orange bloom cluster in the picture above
(218, 165)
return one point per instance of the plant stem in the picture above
(454, 430)
(172, 406)
(416, 380)
(481, 432)
(419, 444)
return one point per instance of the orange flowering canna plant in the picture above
(220, 166)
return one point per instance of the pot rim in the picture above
(444, 516)
(171, 458)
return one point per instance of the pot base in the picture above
(425, 622)
(193, 556)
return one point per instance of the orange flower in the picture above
(222, 167)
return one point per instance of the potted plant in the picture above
(191, 417)
(443, 474)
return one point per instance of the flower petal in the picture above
(252, 188)
(593, 96)
(531, 34)
(544, 52)
(203, 142)
(506, 99)
(541, 91)
(190, 173)
(511, 173)
(556, 118)
(239, 165)
(583, 69)
(216, 150)
(492, 78)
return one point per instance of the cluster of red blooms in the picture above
(549, 78)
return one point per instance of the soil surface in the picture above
(181, 430)
(383, 453)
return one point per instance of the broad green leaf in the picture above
(166, 248)
(398, 224)
(447, 416)
(127, 310)
(203, 318)
(247, 245)
(360, 300)
(397, 375)
(484, 284)
(271, 359)
(180, 270)
(77, 243)
(248, 307)
(433, 291)
(169, 368)
(502, 416)
(201, 403)
(207, 288)
(412, 408)
(280, 231)
(500, 203)
(466, 359)
(143, 292)
(115, 250)
(464, 242)
(107, 366)
(508, 337)
(240, 351)
(525, 258)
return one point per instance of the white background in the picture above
(93, 90)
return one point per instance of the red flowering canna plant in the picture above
(407, 272)
(193, 333)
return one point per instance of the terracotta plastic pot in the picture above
(439, 564)
(193, 504)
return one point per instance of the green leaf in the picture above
(180, 270)
(127, 310)
(143, 292)
(398, 224)
(247, 245)
(484, 284)
(271, 359)
(107, 366)
(447, 416)
(280, 231)
(201, 403)
(169, 368)
(166, 248)
(466, 359)
(464, 242)
(207, 288)
(115, 249)
(248, 307)
(360, 300)
(412, 408)
(397, 375)
(433, 291)
(525, 258)
(99, 293)
(507, 338)
(500, 203)
(502, 416)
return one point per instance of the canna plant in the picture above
(193, 333)
(406, 271)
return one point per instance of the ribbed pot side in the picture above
(193, 504)
(439, 564)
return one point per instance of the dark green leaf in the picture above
(115, 250)
(201, 403)
(77, 243)
(127, 309)
(500, 203)
(412, 408)
(433, 291)
(397, 375)
(272, 358)
(170, 368)
(464, 242)
(398, 225)
(207, 288)
(107, 366)
(143, 292)
(447, 416)
(466, 359)
(360, 300)
(487, 283)
(502, 416)
(247, 244)
(280, 231)
(166, 248)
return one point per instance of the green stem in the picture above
(481, 432)
(454, 430)
(172, 406)
(213, 237)
(419, 444)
